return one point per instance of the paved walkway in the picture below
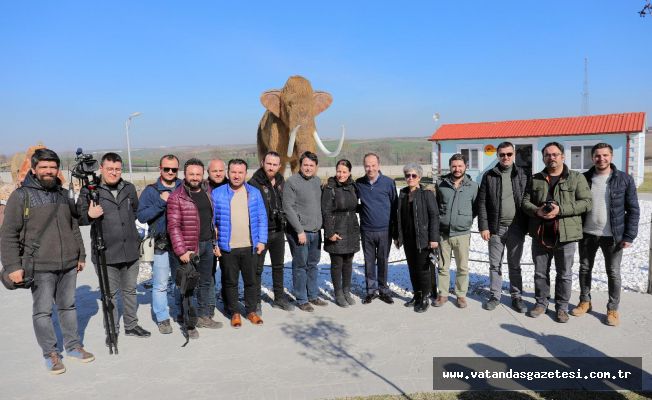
(362, 350)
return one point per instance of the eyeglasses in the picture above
(167, 169)
(502, 155)
(411, 176)
(552, 155)
(113, 170)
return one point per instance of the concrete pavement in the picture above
(333, 352)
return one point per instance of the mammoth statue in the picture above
(288, 125)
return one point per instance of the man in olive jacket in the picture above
(555, 200)
(456, 197)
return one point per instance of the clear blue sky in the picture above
(72, 71)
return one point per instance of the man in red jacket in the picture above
(191, 230)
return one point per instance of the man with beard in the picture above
(611, 225)
(555, 200)
(502, 223)
(151, 210)
(302, 206)
(270, 183)
(191, 230)
(55, 263)
(118, 203)
(241, 224)
(456, 194)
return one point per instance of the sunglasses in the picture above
(413, 176)
(501, 155)
(167, 169)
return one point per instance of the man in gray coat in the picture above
(39, 227)
(302, 207)
(117, 208)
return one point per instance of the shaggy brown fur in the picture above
(295, 104)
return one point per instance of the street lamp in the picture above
(127, 123)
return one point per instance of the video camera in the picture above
(85, 166)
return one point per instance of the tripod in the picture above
(105, 292)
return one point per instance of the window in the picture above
(473, 154)
(581, 157)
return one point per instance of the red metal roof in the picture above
(586, 125)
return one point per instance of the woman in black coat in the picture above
(418, 231)
(339, 201)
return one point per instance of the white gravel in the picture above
(634, 268)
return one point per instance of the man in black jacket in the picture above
(38, 213)
(270, 182)
(611, 225)
(502, 223)
(117, 212)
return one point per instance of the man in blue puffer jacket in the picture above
(241, 221)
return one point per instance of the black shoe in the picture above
(422, 306)
(137, 332)
(369, 298)
(519, 305)
(417, 301)
(409, 303)
(491, 304)
(387, 298)
(283, 304)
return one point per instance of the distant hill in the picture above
(392, 151)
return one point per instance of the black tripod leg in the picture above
(108, 300)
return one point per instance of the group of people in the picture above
(227, 221)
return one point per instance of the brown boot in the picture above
(613, 319)
(581, 309)
(441, 300)
(461, 302)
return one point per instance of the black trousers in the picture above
(419, 267)
(341, 270)
(233, 263)
(276, 247)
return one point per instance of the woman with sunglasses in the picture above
(418, 231)
(339, 201)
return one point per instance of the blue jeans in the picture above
(206, 289)
(165, 263)
(304, 266)
(56, 287)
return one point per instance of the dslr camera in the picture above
(547, 207)
(85, 166)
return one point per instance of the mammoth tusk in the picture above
(324, 149)
(293, 138)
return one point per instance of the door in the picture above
(524, 157)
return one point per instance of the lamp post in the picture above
(127, 123)
(436, 162)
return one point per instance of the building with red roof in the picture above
(478, 141)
